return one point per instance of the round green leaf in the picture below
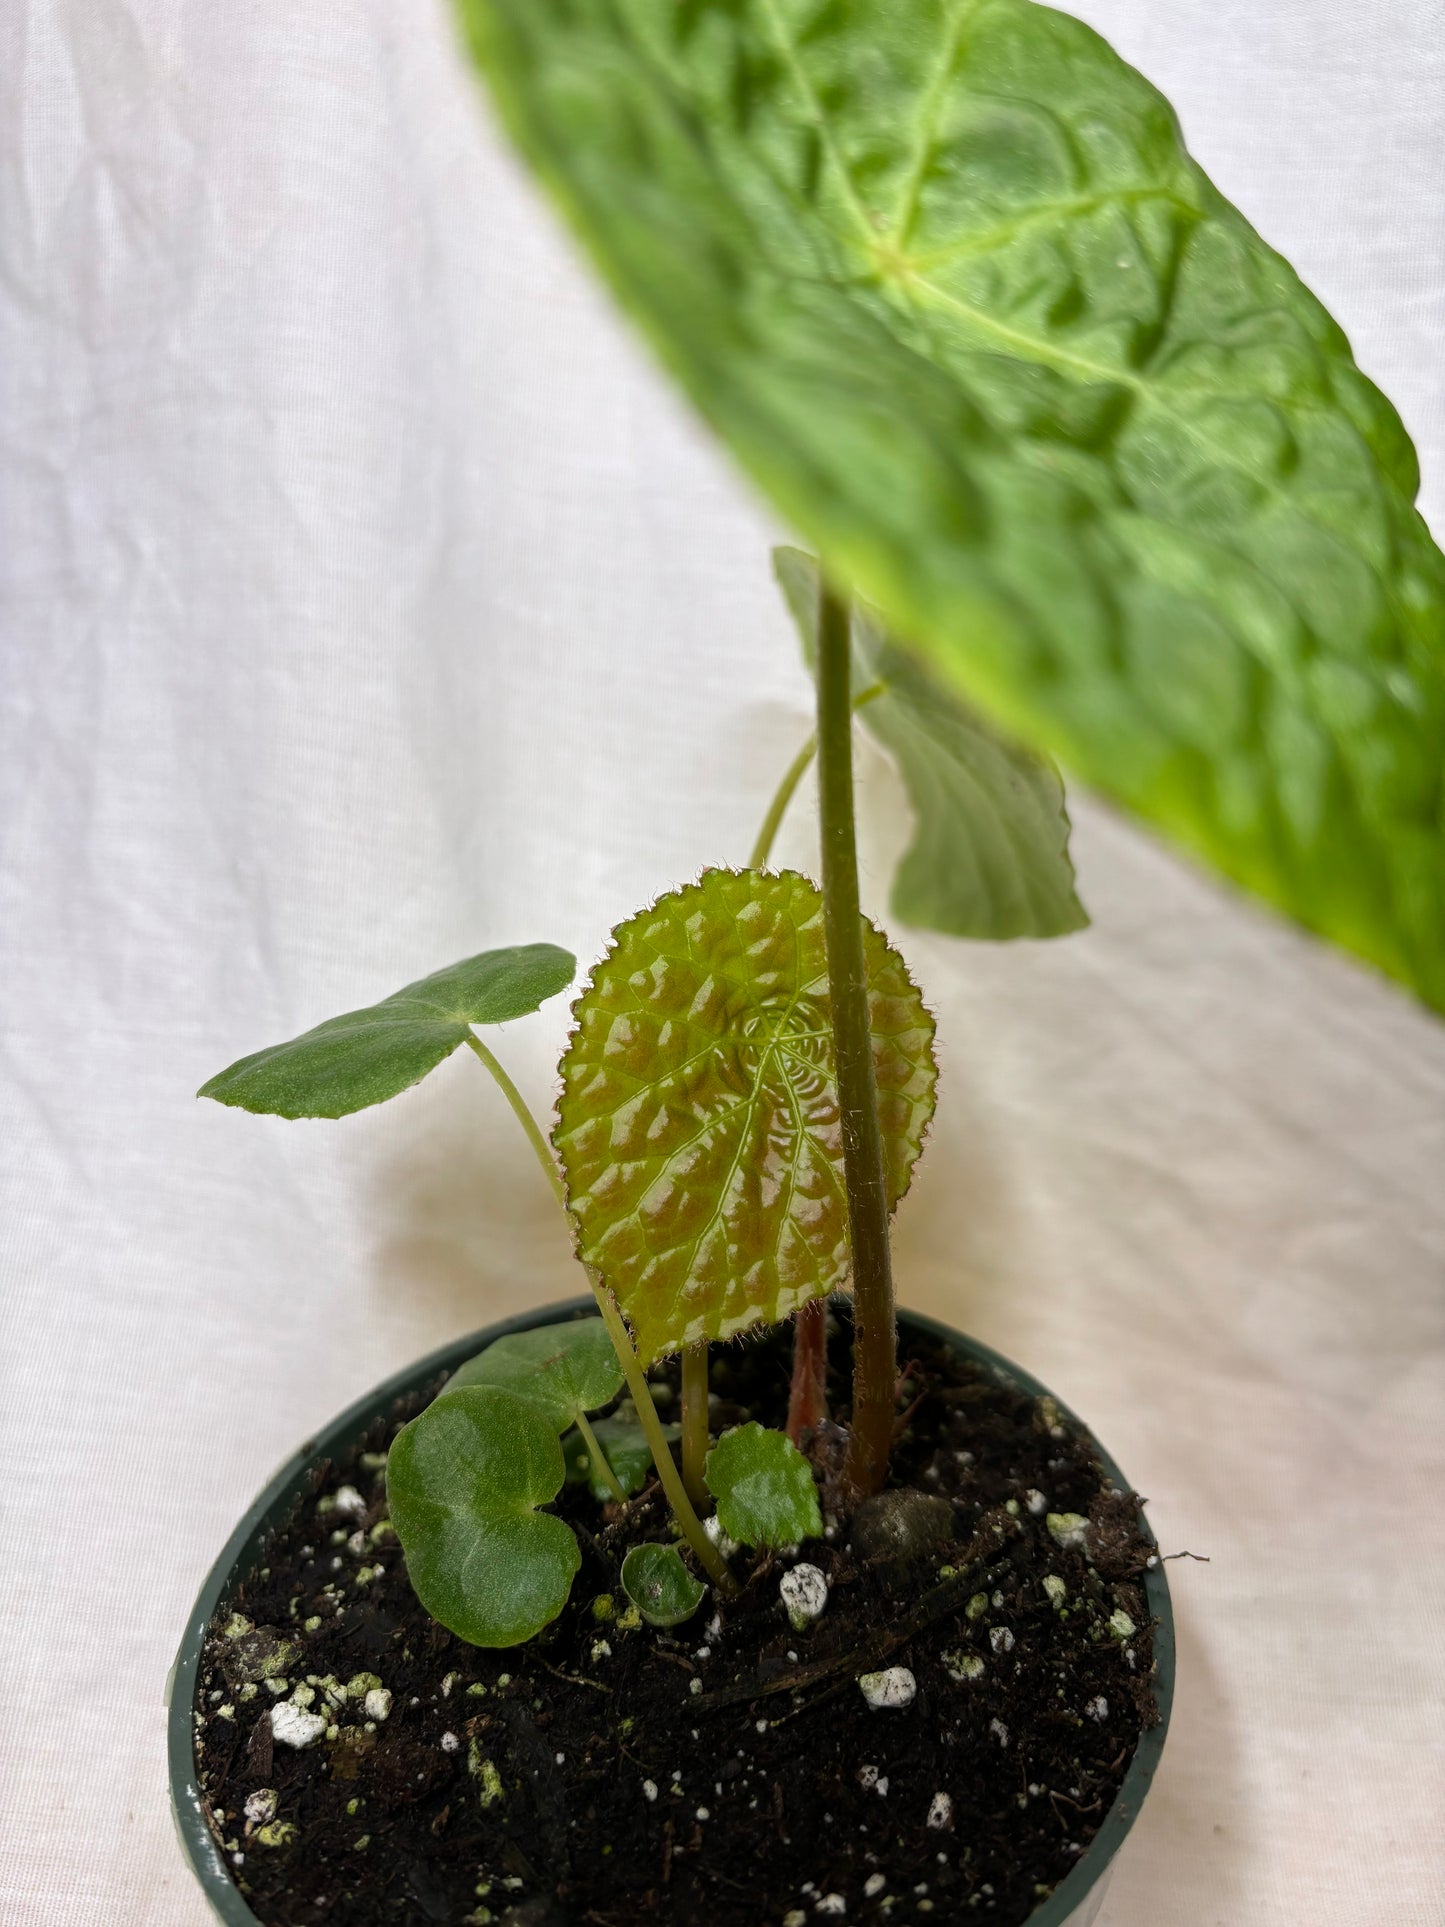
(943, 276)
(660, 1585)
(698, 1126)
(990, 851)
(628, 1453)
(463, 1481)
(764, 1488)
(369, 1055)
(562, 1369)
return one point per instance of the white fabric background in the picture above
(367, 601)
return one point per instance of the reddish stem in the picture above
(808, 1400)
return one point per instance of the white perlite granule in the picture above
(294, 1726)
(804, 1592)
(895, 1686)
(940, 1811)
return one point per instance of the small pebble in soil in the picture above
(294, 1726)
(1037, 1504)
(830, 1904)
(377, 1704)
(1121, 1625)
(1001, 1639)
(649, 1790)
(450, 1742)
(940, 1810)
(804, 1592)
(874, 1884)
(349, 1502)
(1055, 1589)
(1098, 1708)
(895, 1686)
(261, 1805)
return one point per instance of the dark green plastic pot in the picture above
(1075, 1902)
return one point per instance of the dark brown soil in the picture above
(730, 1773)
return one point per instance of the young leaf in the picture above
(627, 1452)
(764, 1488)
(990, 850)
(563, 1369)
(943, 276)
(368, 1055)
(660, 1585)
(463, 1481)
(698, 1125)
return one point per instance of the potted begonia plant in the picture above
(728, 1594)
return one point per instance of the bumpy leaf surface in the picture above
(370, 1055)
(943, 275)
(463, 1481)
(562, 1369)
(698, 1125)
(764, 1488)
(660, 1585)
(990, 850)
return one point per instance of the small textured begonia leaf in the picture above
(764, 1488)
(562, 1369)
(463, 1483)
(698, 1125)
(990, 851)
(627, 1450)
(945, 279)
(660, 1585)
(367, 1056)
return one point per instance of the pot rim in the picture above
(293, 1481)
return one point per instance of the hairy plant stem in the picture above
(708, 1556)
(808, 1395)
(694, 1419)
(599, 1459)
(875, 1343)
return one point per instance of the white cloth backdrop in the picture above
(368, 600)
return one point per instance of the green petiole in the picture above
(707, 1554)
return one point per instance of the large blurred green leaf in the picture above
(990, 850)
(698, 1125)
(369, 1055)
(943, 276)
